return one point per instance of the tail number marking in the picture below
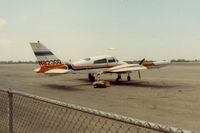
(50, 62)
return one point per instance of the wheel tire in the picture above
(91, 77)
(117, 80)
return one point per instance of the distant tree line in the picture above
(173, 61)
(184, 60)
(18, 62)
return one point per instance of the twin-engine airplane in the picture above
(93, 66)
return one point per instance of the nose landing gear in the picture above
(91, 77)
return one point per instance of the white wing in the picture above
(56, 71)
(125, 68)
(136, 67)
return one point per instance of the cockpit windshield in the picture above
(101, 61)
(112, 60)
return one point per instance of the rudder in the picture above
(44, 56)
(46, 59)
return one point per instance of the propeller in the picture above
(139, 74)
(142, 61)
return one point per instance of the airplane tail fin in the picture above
(46, 59)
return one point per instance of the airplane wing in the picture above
(125, 68)
(57, 71)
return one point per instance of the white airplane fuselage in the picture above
(94, 65)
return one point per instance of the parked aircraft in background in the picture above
(93, 66)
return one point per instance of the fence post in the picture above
(10, 111)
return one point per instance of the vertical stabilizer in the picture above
(46, 59)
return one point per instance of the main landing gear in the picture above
(119, 78)
(129, 77)
(91, 77)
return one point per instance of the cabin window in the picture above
(100, 61)
(111, 60)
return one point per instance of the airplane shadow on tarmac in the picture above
(65, 87)
(145, 84)
(142, 84)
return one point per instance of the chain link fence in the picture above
(25, 113)
(3, 112)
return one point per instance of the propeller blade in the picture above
(142, 61)
(139, 74)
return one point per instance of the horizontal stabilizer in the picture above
(57, 71)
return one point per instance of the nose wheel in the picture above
(91, 77)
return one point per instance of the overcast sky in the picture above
(75, 29)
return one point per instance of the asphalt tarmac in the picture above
(168, 96)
